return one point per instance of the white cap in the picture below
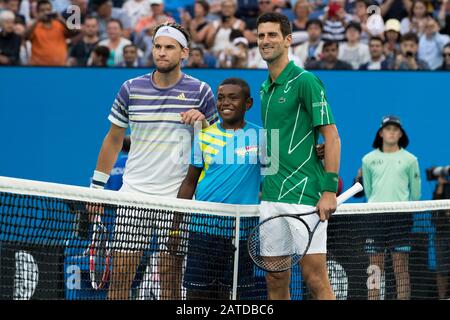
(240, 40)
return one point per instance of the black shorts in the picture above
(388, 231)
(210, 263)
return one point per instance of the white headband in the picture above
(240, 40)
(171, 32)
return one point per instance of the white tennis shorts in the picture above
(135, 229)
(274, 237)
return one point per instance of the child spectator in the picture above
(353, 51)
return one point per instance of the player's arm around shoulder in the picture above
(206, 113)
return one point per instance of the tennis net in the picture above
(52, 246)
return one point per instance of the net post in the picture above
(236, 254)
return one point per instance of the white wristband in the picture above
(99, 180)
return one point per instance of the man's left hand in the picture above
(191, 116)
(327, 205)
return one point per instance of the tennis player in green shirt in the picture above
(293, 101)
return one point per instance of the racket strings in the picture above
(277, 244)
(99, 257)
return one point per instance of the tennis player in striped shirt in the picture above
(156, 107)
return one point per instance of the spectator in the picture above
(25, 47)
(155, 18)
(130, 57)
(80, 51)
(407, 58)
(115, 42)
(317, 7)
(395, 9)
(25, 10)
(302, 9)
(431, 44)
(446, 55)
(196, 58)
(237, 55)
(218, 34)
(136, 10)
(144, 41)
(118, 3)
(444, 16)
(99, 57)
(48, 37)
(264, 6)
(391, 174)
(215, 7)
(197, 26)
(334, 21)
(361, 16)
(353, 51)
(392, 38)
(104, 11)
(14, 6)
(377, 59)
(416, 20)
(10, 42)
(441, 221)
(329, 59)
(311, 49)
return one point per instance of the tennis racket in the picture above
(273, 255)
(99, 255)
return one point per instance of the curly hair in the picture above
(176, 26)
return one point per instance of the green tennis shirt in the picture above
(391, 176)
(295, 104)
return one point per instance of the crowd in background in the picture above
(327, 34)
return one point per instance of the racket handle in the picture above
(357, 187)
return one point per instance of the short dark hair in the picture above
(40, 3)
(376, 38)
(177, 26)
(446, 46)
(329, 43)
(235, 33)
(90, 17)
(204, 4)
(129, 46)
(354, 25)
(199, 49)
(115, 20)
(275, 17)
(102, 51)
(410, 36)
(314, 21)
(239, 82)
(366, 2)
(96, 4)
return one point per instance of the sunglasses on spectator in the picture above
(264, 2)
(446, 54)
